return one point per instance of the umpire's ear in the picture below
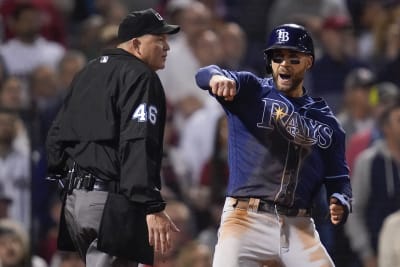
(135, 43)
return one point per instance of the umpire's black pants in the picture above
(83, 212)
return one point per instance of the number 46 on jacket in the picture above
(144, 113)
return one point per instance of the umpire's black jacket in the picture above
(111, 124)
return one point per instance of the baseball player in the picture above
(283, 145)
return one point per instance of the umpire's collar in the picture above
(116, 51)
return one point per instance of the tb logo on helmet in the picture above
(283, 36)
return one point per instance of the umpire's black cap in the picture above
(148, 21)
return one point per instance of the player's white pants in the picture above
(259, 239)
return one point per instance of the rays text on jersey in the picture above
(295, 126)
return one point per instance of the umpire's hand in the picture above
(160, 226)
(223, 87)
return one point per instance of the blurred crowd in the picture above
(44, 43)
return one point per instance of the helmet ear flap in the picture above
(268, 65)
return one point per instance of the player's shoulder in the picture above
(263, 82)
(318, 107)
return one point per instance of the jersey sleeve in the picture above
(142, 108)
(243, 79)
(337, 178)
(204, 75)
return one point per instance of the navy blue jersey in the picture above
(281, 149)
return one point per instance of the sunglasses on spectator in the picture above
(280, 58)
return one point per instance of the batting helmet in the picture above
(289, 36)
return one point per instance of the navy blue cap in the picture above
(148, 21)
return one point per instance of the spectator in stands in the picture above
(28, 49)
(87, 39)
(389, 241)
(11, 94)
(181, 66)
(108, 36)
(382, 94)
(15, 246)
(196, 142)
(331, 69)
(70, 64)
(52, 20)
(43, 85)
(376, 187)
(306, 12)
(15, 169)
(12, 97)
(390, 32)
(366, 16)
(5, 203)
(234, 45)
(386, 41)
(356, 114)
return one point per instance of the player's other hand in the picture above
(160, 227)
(223, 87)
(336, 211)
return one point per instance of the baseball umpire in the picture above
(108, 135)
(283, 145)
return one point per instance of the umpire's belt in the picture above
(92, 183)
(260, 205)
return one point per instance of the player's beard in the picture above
(296, 81)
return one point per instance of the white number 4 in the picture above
(141, 114)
